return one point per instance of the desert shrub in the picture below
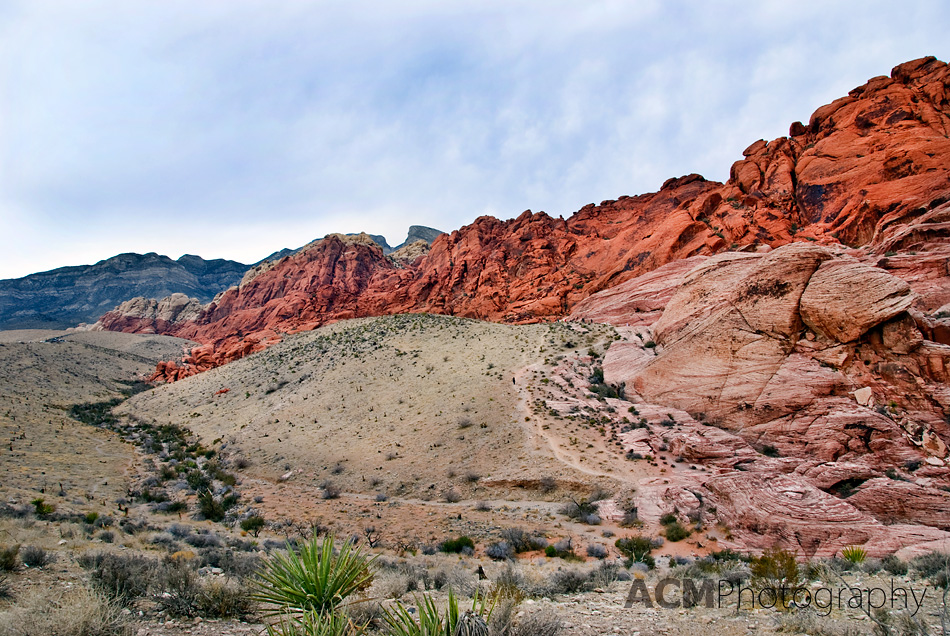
(253, 524)
(596, 551)
(808, 621)
(776, 568)
(179, 530)
(569, 581)
(509, 582)
(483, 506)
(77, 611)
(458, 545)
(522, 541)
(330, 490)
(452, 496)
(8, 557)
(675, 531)
(544, 623)
(197, 480)
(854, 553)
(177, 589)
(210, 507)
(381, 497)
(637, 550)
(894, 565)
(233, 563)
(317, 579)
(934, 566)
(165, 540)
(203, 540)
(580, 510)
(608, 572)
(500, 551)
(223, 599)
(106, 536)
(35, 557)
(668, 519)
(547, 484)
(122, 577)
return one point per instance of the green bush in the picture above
(637, 550)
(456, 546)
(675, 531)
(776, 568)
(253, 524)
(315, 580)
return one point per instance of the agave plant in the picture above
(314, 581)
(854, 553)
(455, 622)
(313, 624)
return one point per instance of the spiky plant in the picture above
(854, 553)
(315, 580)
(431, 622)
(313, 624)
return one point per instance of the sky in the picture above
(234, 128)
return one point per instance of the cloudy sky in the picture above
(233, 128)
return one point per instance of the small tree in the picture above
(253, 524)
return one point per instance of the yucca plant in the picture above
(454, 622)
(314, 624)
(854, 553)
(316, 580)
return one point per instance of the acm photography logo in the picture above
(673, 593)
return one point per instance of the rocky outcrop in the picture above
(864, 171)
(822, 391)
(844, 299)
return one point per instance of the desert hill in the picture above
(44, 373)
(405, 405)
(858, 174)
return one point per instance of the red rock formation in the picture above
(863, 170)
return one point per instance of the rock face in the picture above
(68, 296)
(869, 171)
(823, 394)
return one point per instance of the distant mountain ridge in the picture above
(68, 296)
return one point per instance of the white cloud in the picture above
(234, 128)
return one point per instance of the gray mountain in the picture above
(67, 296)
(419, 233)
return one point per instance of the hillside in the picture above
(857, 174)
(42, 374)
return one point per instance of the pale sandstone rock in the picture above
(845, 298)
(863, 396)
(639, 301)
